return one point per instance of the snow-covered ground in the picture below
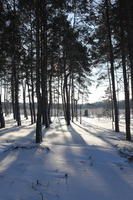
(79, 162)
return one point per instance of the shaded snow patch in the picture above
(27, 147)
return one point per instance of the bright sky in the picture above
(97, 93)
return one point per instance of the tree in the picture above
(128, 16)
(2, 121)
(123, 55)
(111, 54)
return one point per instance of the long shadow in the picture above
(97, 126)
(97, 168)
(13, 129)
(16, 164)
(28, 138)
(20, 140)
(59, 128)
(110, 130)
(79, 175)
(97, 135)
(8, 143)
(31, 159)
(104, 129)
(76, 138)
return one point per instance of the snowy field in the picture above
(79, 162)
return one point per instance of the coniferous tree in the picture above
(123, 55)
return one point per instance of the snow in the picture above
(77, 162)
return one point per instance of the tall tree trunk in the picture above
(24, 99)
(126, 86)
(67, 101)
(72, 97)
(5, 98)
(63, 97)
(32, 97)
(39, 98)
(112, 68)
(50, 98)
(12, 96)
(30, 104)
(76, 109)
(32, 78)
(44, 66)
(128, 4)
(17, 108)
(2, 120)
(15, 72)
(110, 90)
(58, 102)
(66, 97)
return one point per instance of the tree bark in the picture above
(30, 104)
(128, 4)
(44, 67)
(24, 100)
(116, 113)
(2, 120)
(126, 86)
(39, 98)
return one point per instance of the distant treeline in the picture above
(99, 104)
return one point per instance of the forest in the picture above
(49, 50)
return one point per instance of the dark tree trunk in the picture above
(39, 102)
(44, 67)
(66, 99)
(67, 102)
(12, 97)
(128, 4)
(50, 98)
(15, 72)
(116, 113)
(6, 109)
(112, 106)
(32, 97)
(24, 100)
(76, 109)
(2, 120)
(32, 79)
(58, 103)
(72, 98)
(39, 123)
(17, 108)
(126, 86)
(30, 104)
(80, 114)
(63, 98)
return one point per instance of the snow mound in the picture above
(27, 147)
(126, 151)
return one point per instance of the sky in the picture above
(97, 93)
